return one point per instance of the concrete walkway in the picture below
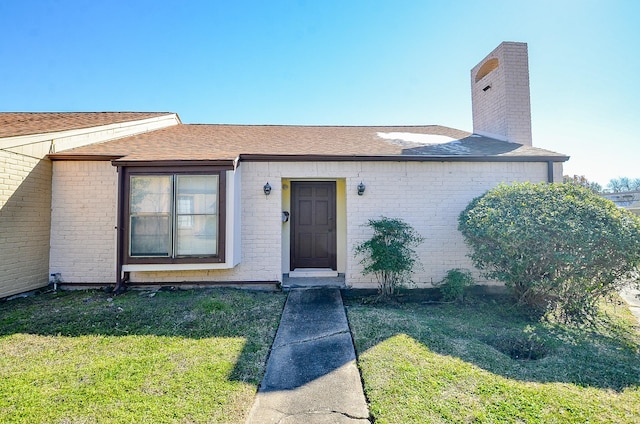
(632, 297)
(311, 374)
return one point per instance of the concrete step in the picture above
(313, 283)
(313, 273)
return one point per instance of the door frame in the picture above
(294, 215)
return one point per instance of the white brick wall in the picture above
(428, 195)
(83, 219)
(25, 208)
(25, 201)
(503, 110)
(261, 240)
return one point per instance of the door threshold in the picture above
(313, 273)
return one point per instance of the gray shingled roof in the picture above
(478, 145)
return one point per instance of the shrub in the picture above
(454, 284)
(559, 247)
(389, 253)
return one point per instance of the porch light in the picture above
(267, 189)
(361, 188)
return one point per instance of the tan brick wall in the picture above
(427, 195)
(25, 208)
(260, 239)
(83, 219)
(25, 202)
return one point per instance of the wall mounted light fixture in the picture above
(361, 188)
(267, 189)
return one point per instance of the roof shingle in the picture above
(27, 123)
(228, 142)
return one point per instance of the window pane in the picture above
(150, 212)
(150, 194)
(197, 208)
(201, 238)
(150, 235)
(202, 189)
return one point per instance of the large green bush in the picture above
(559, 247)
(389, 253)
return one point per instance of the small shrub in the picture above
(453, 286)
(389, 254)
(560, 248)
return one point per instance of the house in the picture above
(629, 200)
(253, 204)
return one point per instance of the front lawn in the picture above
(485, 362)
(143, 357)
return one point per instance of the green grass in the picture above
(183, 356)
(442, 363)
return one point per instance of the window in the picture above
(174, 217)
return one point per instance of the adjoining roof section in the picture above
(279, 142)
(26, 123)
(39, 134)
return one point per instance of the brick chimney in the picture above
(500, 94)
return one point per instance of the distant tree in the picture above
(615, 185)
(582, 181)
(624, 183)
(621, 184)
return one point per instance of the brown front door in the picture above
(313, 224)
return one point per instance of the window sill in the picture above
(176, 267)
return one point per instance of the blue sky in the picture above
(331, 62)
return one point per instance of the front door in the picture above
(313, 224)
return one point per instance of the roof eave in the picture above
(397, 158)
(82, 157)
(118, 160)
(227, 163)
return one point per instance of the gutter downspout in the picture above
(120, 281)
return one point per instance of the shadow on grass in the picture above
(194, 314)
(492, 334)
